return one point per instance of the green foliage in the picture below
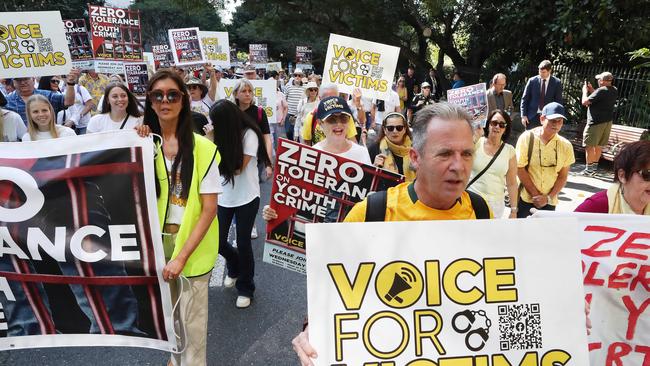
(641, 55)
(158, 16)
(70, 9)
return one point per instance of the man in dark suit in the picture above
(497, 96)
(540, 91)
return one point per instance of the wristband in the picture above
(69, 83)
(514, 209)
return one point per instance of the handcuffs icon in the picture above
(470, 317)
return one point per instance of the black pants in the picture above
(239, 261)
(523, 208)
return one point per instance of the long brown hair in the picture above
(32, 128)
(184, 134)
(131, 108)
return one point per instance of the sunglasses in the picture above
(500, 124)
(399, 128)
(173, 96)
(645, 174)
(55, 81)
(311, 89)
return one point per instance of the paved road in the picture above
(259, 335)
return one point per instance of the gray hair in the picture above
(443, 110)
(326, 87)
(241, 84)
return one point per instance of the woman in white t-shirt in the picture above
(241, 146)
(492, 182)
(12, 127)
(119, 110)
(40, 120)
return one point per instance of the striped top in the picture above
(294, 96)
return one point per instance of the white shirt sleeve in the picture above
(95, 124)
(65, 131)
(251, 143)
(85, 95)
(211, 181)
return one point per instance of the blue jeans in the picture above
(239, 261)
(288, 126)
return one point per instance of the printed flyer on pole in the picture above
(82, 257)
(79, 43)
(33, 44)
(216, 48)
(473, 99)
(311, 185)
(115, 33)
(186, 46)
(356, 63)
(446, 293)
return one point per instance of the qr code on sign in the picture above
(520, 327)
(44, 45)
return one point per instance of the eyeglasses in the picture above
(497, 123)
(334, 119)
(312, 89)
(53, 81)
(399, 128)
(173, 96)
(645, 174)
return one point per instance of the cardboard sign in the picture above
(446, 293)
(310, 186)
(258, 54)
(616, 276)
(274, 66)
(186, 46)
(115, 33)
(82, 248)
(473, 99)
(33, 44)
(162, 56)
(355, 63)
(303, 57)
(137, 77)
(109, 67)
(264, 94)
(216, 48)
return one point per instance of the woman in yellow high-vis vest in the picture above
(187, 185)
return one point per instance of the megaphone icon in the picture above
(399, 285)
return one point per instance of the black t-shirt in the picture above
(601, 109)
(253, 113)
(409, 83)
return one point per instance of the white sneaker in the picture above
(254, 232)
(243, 302)
(229, 282)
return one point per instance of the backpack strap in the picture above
(479, 205)
(376, 206)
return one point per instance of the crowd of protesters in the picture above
(216, 152)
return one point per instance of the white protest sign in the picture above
(355, 63)
(109, 67)
(33, 44)
(446, 293)
(616, 274)
(186, 46)
(264, 94)
(216, 48)
(274, 66)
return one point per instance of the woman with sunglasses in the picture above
(334, 114)
(201, 96)
(495, 165)
(306, 105)
(119, 110)
(391, 152)
(187, 185)
(51, 83)
(630, 192)
(241, 147)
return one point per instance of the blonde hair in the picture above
(32, 128)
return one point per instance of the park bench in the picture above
(621, 136)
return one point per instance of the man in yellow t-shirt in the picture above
(442, 154)
(311, 135)
(543, 168)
